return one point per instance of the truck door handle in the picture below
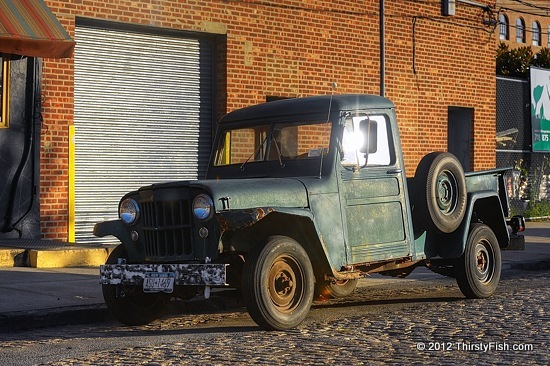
(394, 171)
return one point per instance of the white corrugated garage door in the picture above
(143, 114)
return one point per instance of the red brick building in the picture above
(524, 23)
(438, 70)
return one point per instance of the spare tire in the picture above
(439, 192)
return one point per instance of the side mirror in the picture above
(369, 130)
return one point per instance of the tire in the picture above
(278, 284)
(136, 307)
(478, 269)
(335, 290)
(439, 192)
(444, 267)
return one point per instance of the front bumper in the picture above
(210, 274)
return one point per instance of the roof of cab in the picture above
(309, 105)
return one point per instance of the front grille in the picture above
(167, 228)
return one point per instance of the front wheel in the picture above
(478, 269)
(129, 304)
(278, 284)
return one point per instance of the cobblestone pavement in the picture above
(428, 324)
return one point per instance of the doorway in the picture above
(459, 130)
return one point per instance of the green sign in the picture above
(540, 109)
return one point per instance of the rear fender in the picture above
(489, 211)
(484, 207)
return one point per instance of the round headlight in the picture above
(203, 207)
(128, 211)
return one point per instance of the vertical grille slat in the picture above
(167, 229)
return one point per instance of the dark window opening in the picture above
(520, 31)
(504, 27)
(536, 34)
(273, 98)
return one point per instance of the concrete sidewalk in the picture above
(37, 297)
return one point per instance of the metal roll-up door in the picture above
(143, 114)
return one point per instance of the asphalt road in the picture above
(413, 321)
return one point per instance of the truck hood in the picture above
(248, 193)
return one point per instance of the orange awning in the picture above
(29, 28)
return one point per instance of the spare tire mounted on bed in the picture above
(440, 192)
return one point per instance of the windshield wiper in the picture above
(255, 152)
(279, 155)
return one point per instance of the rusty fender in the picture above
(240, 219)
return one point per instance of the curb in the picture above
(38, 253)
(68, 257)
(24, 320)
(539, 265)
(78, 315)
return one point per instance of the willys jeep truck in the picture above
(303, 197)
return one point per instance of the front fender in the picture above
(117, 229)
(240, 219)
(483, 206)
(246, 226)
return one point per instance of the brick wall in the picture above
(437, 62)
(514, 10)
(293, 48)
(57, 114)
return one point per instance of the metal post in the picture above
(382, 51)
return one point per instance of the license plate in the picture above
(158, 282)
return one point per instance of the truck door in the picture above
(372, 192)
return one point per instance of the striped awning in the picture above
(29, 28)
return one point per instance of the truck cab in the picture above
(302, 198)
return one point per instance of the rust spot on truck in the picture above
(236, 220)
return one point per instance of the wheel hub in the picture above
(284, 288)
(446, 192)
(484, 263)
(283, 284)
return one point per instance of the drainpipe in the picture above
(382, 51)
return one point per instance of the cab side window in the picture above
(353, 141)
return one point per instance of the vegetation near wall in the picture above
(516, 62)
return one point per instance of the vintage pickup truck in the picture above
(302, 198)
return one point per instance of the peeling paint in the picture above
(235, 220)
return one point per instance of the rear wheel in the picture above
(278, 284)
(129, 304)
(335, 289)
(478, 269)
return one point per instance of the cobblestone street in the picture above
(421, 323)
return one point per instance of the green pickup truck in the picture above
(302, 198)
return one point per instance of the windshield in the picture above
(273, 142)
